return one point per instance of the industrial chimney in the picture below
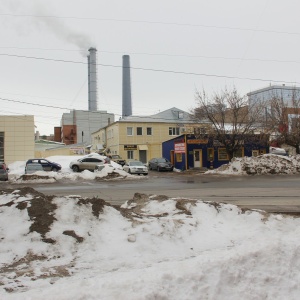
(126, 92)
(92, 77)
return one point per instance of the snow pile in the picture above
(153, 247)
(110, 171)
(264, 164)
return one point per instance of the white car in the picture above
(135, 167)
(88, 163)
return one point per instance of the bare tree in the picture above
(283, 120)
(233, 121)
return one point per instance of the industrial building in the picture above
(78, 125)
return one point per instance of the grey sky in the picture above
(224, 41)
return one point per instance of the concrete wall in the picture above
(52, 152)
(18, 137)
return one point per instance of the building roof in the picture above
(274, 87)
(171, 115)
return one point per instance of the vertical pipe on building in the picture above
(92, 79)
(126, 88)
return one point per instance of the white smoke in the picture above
(43, 17)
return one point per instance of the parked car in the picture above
(46, 164)
(160, 164)
(135, 167)
(3, 172)
(32, 168)
(88, 163)
(117, 159)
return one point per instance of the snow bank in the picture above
(264, 164)
(151, 248)
(110, 171)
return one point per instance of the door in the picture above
(45, 164)
(197, 158)
(143, 156)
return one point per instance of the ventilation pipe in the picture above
(126, 92)
(92, 78)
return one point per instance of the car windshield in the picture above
(116, 156)
(162, 160)
(136, 163)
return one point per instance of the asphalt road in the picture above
(273, 193)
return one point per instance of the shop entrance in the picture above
(197, 158)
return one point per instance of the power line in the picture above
(152, 22)
(155, 70)
(24, 102)
(159, 54)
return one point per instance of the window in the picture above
(130, 154)
(139, 131)
(179, 157)
(149, 130)
(129, 131)
(173, 130)
(210, 154)
(222, 154)
(1, 146)
(239, 153)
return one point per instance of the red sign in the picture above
(179, 147)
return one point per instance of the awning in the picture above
(143, 147)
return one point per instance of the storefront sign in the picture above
(205, 141)
(179, 147)
(130, 147)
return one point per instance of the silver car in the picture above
(88, 163)
(135, 167)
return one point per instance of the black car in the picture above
(46, 164)
(160, 164)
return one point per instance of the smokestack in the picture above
(126, 96)
(92, 76)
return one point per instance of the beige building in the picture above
(16, 138)
(141, 137)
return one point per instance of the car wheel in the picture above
(150, 167)
(75, 169)
(145, 174)
(54, 169)
(129, 171)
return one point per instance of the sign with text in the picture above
(205, 141)
(179, 148)
(130, 147)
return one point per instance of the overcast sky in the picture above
(175, 47)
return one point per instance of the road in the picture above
(273, 193)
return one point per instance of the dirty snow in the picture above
(263, 164)
(153, 247)
(17, 171)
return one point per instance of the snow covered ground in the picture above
(153, 247)
(17, 171)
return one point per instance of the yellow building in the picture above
(16, 138)
(141, 137)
